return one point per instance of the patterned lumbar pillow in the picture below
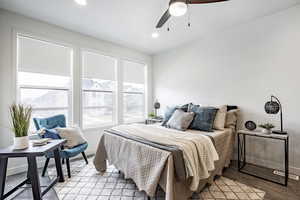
(73, 135)
(204, 118)
(180, 120)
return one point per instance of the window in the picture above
(44, 77)
(98, 90)
(133, 91)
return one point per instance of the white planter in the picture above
(266, 131)
(21, 142)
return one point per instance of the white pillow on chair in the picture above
(73, 135)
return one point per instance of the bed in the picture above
(150, 156)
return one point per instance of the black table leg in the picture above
(34, 178)
(58, 165)
(3, 167)
(286, 164)
(244, 151)
(28, 177)
(239, 164)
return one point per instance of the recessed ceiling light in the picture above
(81, 2)
(155, 35)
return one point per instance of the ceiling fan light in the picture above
(178, 8)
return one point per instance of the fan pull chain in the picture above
(189, 16)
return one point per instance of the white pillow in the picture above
(180, 120)
(73, 135)
(220, 119)
(232, 118)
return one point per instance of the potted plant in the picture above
(151, 115)
(267, 128)
(20, 116)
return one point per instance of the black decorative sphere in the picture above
(250, 125)
(272, 107)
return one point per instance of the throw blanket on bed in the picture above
(198, 150)
(179, 167)
(140, 162)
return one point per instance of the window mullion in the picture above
(119, 93)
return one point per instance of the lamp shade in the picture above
(272, 107)
(156, 105)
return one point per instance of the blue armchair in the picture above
(65, 154)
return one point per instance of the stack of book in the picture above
(40, 142)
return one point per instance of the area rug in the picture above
(86, 183)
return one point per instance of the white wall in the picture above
(11, 23)
(241, 66)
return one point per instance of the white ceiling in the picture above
(131, 22)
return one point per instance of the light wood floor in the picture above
(273, 191)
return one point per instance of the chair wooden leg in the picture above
(68, 167)
(45, 166)
(85, 158)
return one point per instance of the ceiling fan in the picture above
(179, 7)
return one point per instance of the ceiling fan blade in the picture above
(163, 19)
(204, 1)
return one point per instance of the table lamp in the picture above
(156, 107)
(273, 107)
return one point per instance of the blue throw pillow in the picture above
(170, 110)
(51, 133)
(204, 118)
(168, 114)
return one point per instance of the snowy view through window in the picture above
(50, 95)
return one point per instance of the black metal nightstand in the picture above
(242, 134)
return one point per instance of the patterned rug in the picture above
(86, 183)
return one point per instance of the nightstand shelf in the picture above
(153, 120)
(243, 166)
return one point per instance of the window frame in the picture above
(145, 93)
(75, 98)
(114, 92)
(18, 87)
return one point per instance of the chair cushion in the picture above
(68, 153)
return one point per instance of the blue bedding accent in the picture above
(170, 110)
(204, 118)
